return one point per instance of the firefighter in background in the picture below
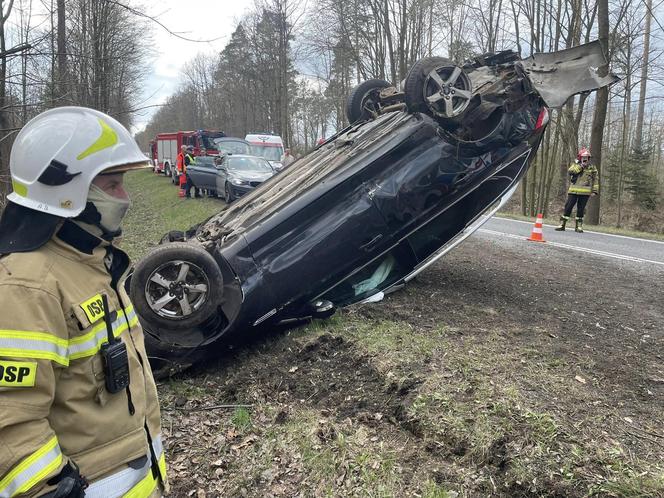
(79, 414)
(182, 179)
(584, 182)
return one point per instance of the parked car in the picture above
(419, 170)
(230, 176)
(232, 145)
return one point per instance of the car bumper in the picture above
(240, 190)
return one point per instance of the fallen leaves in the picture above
(245, 442)
(580, 379)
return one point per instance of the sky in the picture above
(195, 19)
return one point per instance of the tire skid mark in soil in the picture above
(326, 373)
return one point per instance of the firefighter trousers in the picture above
(580, 201)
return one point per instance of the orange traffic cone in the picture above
(536, 234)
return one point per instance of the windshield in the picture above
(249, 164)
(234, 147)
(271, 153)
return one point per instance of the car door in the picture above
(221, 176)
(313, 249)
(203, 173)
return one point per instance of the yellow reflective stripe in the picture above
(19, 188)
(44, 346)
(34, 336)
(163, 471)
(90, 343)
(579, 190)
(32, 469)
(34, 354)
(108, 138)
(144, 488)
(32, 344)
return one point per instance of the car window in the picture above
(205, 161)
(207, 139)
(234, 147)
(375, 277)
(270, 153)
(248, 164)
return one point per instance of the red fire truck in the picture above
(165, 147)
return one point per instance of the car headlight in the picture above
(237, 181)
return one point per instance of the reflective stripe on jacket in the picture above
(585, 181)
(54, 406)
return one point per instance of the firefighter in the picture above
(584, 182)
(180, 159)
(79, 414)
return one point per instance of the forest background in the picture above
(289, 65)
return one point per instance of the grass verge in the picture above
(156, 209)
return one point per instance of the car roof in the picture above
(231, 139)
(244, 155)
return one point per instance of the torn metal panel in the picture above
(557, 76)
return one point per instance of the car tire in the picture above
(228, 194)
(177, 286)
(167, 169)
(437, 78)
(362, 102)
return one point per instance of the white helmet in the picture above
(58, 153)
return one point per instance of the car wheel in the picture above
(438, 87)
(228, 194)
(167, 170)
(177, 286)
(363, 102)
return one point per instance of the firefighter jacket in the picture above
(180, 163)
(54, 406)
(584, 181)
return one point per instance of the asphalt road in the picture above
(645, 252)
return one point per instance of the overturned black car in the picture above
(419, 170)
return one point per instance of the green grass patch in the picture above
(241, 419)
(156, 209)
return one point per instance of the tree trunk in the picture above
(601, 103)
(62, 51)
(638, 134)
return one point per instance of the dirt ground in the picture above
(506, 369)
